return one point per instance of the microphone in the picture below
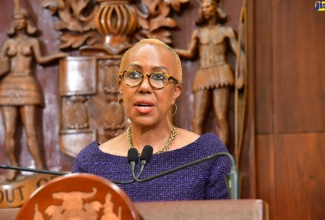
(231, 179)
(133, 159)
(3, 166)
(145, 158)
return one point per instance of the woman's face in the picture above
(20, 22)
(144, 105)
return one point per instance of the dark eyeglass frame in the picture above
(121, 76)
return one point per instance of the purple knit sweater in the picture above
(203, 181)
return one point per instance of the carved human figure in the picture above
(108, 209)
(214, 79)
(20, 92)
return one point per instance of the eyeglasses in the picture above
(157, 80)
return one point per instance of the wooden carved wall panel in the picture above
(76, 18)
(77, 85)
(21, 95)
(216, 80)
(114, 121)
(78, 76)
(111, 120)
(89, 108)
(16, 193)
(110, 27)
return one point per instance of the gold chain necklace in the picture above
(164, 149)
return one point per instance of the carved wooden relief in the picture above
(77, 84)
(76, 21)
(112, 26)
(20, 93)
(16, 193)
(212, 40)
(74, 206)
(65, 198)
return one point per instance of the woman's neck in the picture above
(157, 137)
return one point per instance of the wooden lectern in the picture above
(86, 196)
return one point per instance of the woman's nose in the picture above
(145, 85)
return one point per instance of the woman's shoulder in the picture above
(204, 141)
(207, 144)
(91, 148)
(211, 140)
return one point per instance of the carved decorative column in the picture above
(78, 85)
(116, 21)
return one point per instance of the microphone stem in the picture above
(2, 166)
(143, 164)
(187, 165)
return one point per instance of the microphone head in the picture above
(146, 153)
(133, 155)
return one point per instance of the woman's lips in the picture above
(144, 106)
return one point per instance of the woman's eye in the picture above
(134, 74)
(158, 76)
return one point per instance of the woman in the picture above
(150, 83)
(20, 92)
(214, 78)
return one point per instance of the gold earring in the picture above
(175, 110)
(119, 104)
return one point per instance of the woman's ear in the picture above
(178, 91)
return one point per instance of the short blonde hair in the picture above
(151, 41)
